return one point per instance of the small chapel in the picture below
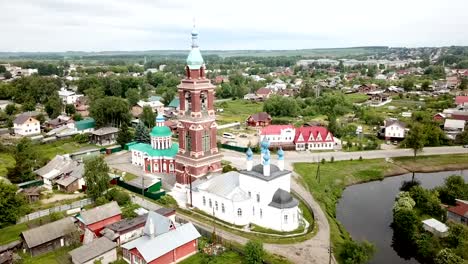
(259, 194)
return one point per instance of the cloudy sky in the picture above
(97, 25)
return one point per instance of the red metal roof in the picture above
(315, 131)
(461, 100)
(263, 91)
(274, 129)
(460, 209)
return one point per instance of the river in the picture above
(365, 210)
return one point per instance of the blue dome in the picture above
(194, 32)
(265, 143)
(249, 154)
(280, 154)
(160, 118)
(266, 158)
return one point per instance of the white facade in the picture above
(157, 106)
(283, 134)
(259, 195)
(395, 130)
(68, 97)
(105, 258)
(27, 128)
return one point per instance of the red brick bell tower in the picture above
(198, 152)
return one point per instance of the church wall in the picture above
(274, 218)
(265, 189)
(230, 214)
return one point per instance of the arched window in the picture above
(258, 198)
(285, 219)
(206, 141)
(216, 205)
(253, 210)
(222, 208)
(239, 212)
(261, 213)
(210, 203)
(250, 194)
(204, 200)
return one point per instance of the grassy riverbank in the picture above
(334, 177)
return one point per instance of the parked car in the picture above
(465, 146)
(229, 135)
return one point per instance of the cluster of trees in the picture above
(13, 205)
(352, 252)
(238, 86)
(26, 161)
(110, 111)
(410, 239)
(281, 106)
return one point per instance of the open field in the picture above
(357, 97)
(334, 177)
(237, 111)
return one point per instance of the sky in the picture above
(108, 25)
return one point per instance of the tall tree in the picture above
(142, 134)
(25, 161)
(110, 111)
(53, 107)
(132, 96)
(356, 253)
(125, 135)
(415, 139)
(447, 256)
(70, 109)
(168, 96)
(148, 117)
(12, 205)
(96, 176)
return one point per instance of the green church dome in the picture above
(161, 131)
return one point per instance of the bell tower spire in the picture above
(198, 151)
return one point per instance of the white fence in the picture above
(60, 208)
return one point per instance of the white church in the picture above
(259, 194)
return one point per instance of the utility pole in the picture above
(317, 175)
(330, 254)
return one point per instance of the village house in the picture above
(251, 97)
(453, 127)
(81, 106)
(154, 103)
(394, 129)
(459, 115)
(459, 212)
(48, 237)
(59, 121)
(85, 126)
(64, 172)
(100, 250)
(174, 105)
(439, 117)
(258, 120)
(67, 96)
(26, 125)
(302, 138)
(461, 101)
(221, 79)
(163, 241)
(32, 194)
(125, 230)
(453, 82)
(263, 93)
(104, 136)
(94, 220)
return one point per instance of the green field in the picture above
(357, 97)
(11, 233)
(237, 111)
(226, 257)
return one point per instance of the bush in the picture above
(253, 252)
(356, 253)
(323, 161)
(101, 200)
(129, 211)
(121, 197)
(332, 159)
(81, 138)
(228, 168)
(360, 158)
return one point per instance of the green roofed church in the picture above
(157, 157)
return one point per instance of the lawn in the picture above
(49, 150)
(237, 110)
(59, 256)
(357, 97)
(227, 257)
(6, 161)
(434, 163)
(11, 233)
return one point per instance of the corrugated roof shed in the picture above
(100, 213)
(91, 250)
(48, 232)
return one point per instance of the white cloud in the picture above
(54, 25)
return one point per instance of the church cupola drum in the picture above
(198, 152)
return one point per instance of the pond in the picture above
(365, 210)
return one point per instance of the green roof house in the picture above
(175, 103)
(85, 125)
